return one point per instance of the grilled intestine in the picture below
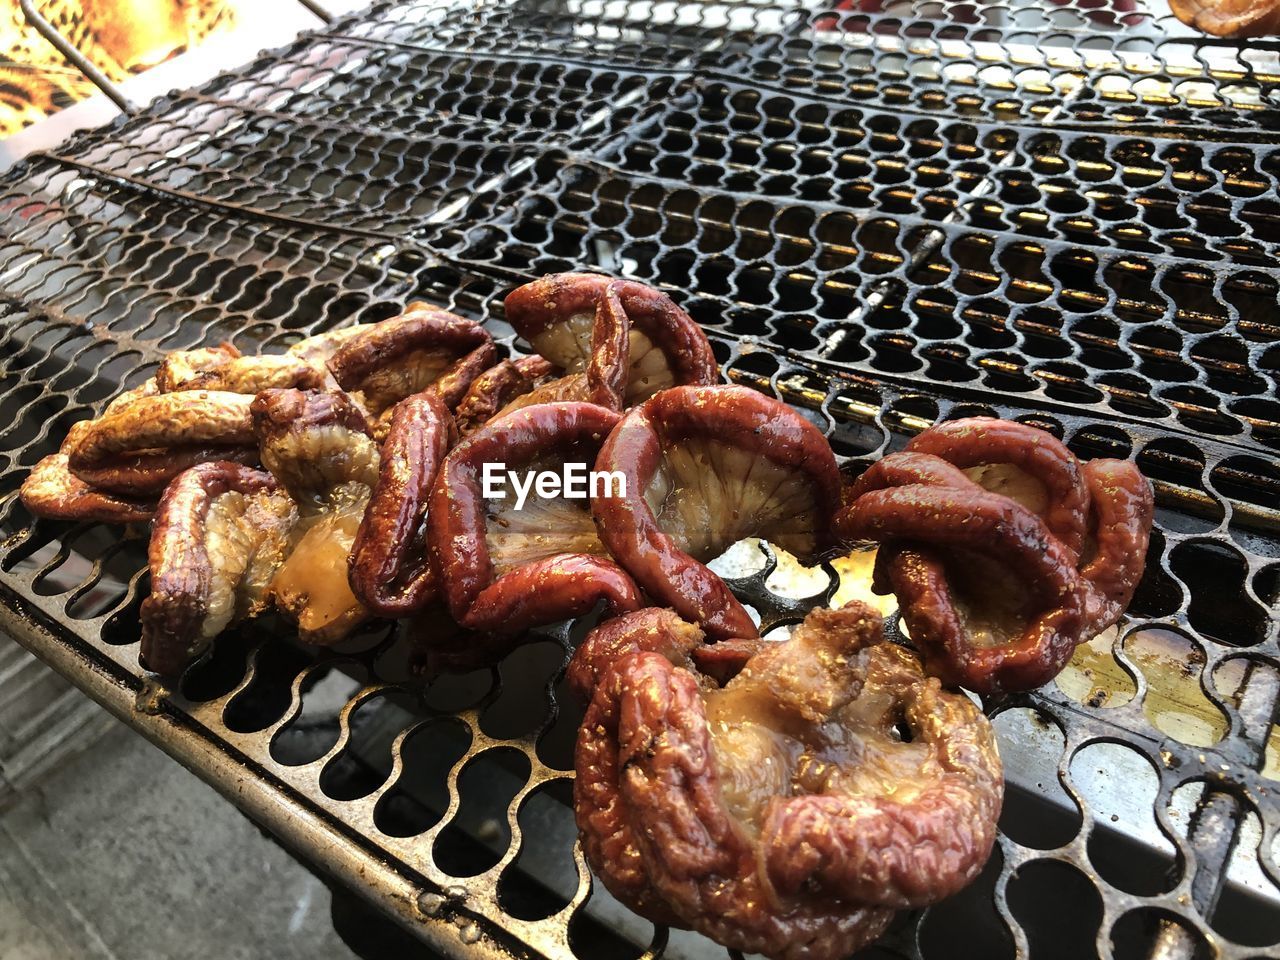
(232, 541)
(138, 446)
(505, 570)
(496, 388)
(221, 532)
(224, 369)
(615, 342)
(423, 349)
(318, 445)
(195, 409)
(1003, 551)
(389, 569)
(598, 368)
(705, 467)
(52, 490)
(780, 813)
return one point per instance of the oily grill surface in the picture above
(1059, 213)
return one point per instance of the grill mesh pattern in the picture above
(1059, 214)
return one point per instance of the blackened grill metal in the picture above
(1064, 214)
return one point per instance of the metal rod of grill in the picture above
(77, 59)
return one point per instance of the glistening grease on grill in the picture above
(885, 218)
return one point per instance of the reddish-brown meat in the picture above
(1025, 615)
(498, 386)
(52, 490)
(599, 376)
(1018, 461)
(604, 824)
(506, 569)
(627, 339)
(314, 442)
(908, 823)
(318, 447)
(138, 446)
(780, 814)
(112, 468)
(1123, 509)
(221, 531)
(706, 467)
(984, 526)
(423, 349)
(653, 629)
(388, 565)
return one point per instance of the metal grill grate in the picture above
(1063, 214)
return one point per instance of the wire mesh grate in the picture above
(887, 215)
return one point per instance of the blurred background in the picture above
(123, 37)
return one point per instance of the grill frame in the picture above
(453, 254)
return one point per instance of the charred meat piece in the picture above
(1006, 611)
(500, 385)
(504, 565)
(653, 629)
(423, 349)
(112, 468)
(388, 567)
(314, 442)
(1002, 551)
(705, 467)
(781, 813)
(52, 490)
(119, 484)
(221, 531)
(576, 320)
(141, 444)
(318, 446)
(599, 376)
(1230, 18)
(185, 366)
(897, 819)
(1023, 463)
(605, 825)
(1121, 510)
(320, 348)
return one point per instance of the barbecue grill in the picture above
(886, 213)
